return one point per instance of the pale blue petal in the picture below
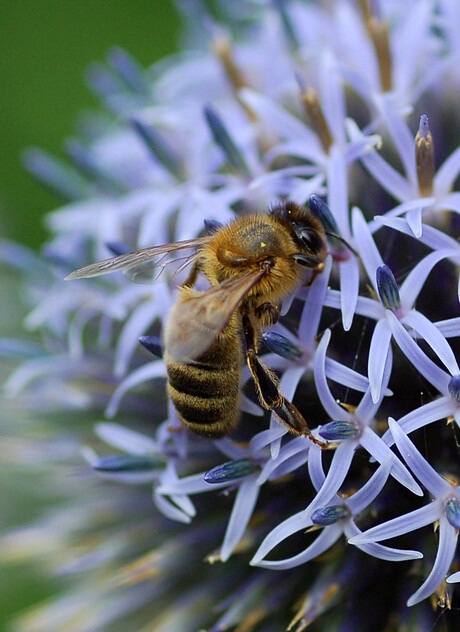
(346, 376)
(194, 484)
(146, 372)
(432, 237)
(415, 280)
(379, 356)
(324, 541)
(369, 307)
(420, 360)
(450, 328)
(337, 196)
(291, 525)
(401, 525)
(139, 322)
(315, 467)
(231, 449)
(361, 499)
(447, 173)
(338, 470)
(434, 483)
(378, 449)
(380, 170)
(126, 439)
(243, 507)
(293, 448)
(446, 550)
(401, 135)
(311, 313)
(367, 249)
(332, 98)
(379, 550)
(280, 120)
(454, 578)
(433, 411)
(349, 288)
(169, 510)
(264, 438)
(431, 334)
(414, 221)
(328, 401)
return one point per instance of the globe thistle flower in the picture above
(340, 106)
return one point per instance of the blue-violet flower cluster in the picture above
(347, 106)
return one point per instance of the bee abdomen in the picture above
(205, 396)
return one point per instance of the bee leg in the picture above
(314, 274)
(267, 389)
(191, 279)
(267, 314)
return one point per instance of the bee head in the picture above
(306, 229)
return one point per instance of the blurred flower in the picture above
(326, 104)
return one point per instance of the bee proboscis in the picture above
(252, 264)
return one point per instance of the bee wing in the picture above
(146, 265)
(194, 323)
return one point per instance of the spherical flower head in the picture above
(339, 108)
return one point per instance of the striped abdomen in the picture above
(205, 393)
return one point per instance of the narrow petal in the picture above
(311, 313)
(431, 334)
(378, 449)
(379, 352)
(446, 550)
(338, 470)
(324, 541)
(147, 372)
(379, 550)
(420, 360)
(330, 405)
(349, 287)
(370, 256)
(400, 525)
(294, 523)
(414, 221)
(370, 490)
(447, 173)
(243, 507)
(415, 280)
(433, 411)
(434, 483)
(169, 510)
(126, 439)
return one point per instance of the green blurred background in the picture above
(45, 48)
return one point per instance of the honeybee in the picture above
(252, 264)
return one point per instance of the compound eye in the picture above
(310, 239)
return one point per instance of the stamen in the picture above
(223, 139)
(231, 471)
(130, 72)
(453, 512)
(222, 48)
(159, 148)
(85, 162)
(339, 430)
(152, 344)
(211, 225)
(387, 288)
(124, 463)
(315, 113)
(282, 346)
(424, 154)
(329, 515)
(377, 29)
(454, 387)
(286, 21)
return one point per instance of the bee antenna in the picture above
(344, 241)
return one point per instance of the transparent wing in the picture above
(194, 323)
(146, 265)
